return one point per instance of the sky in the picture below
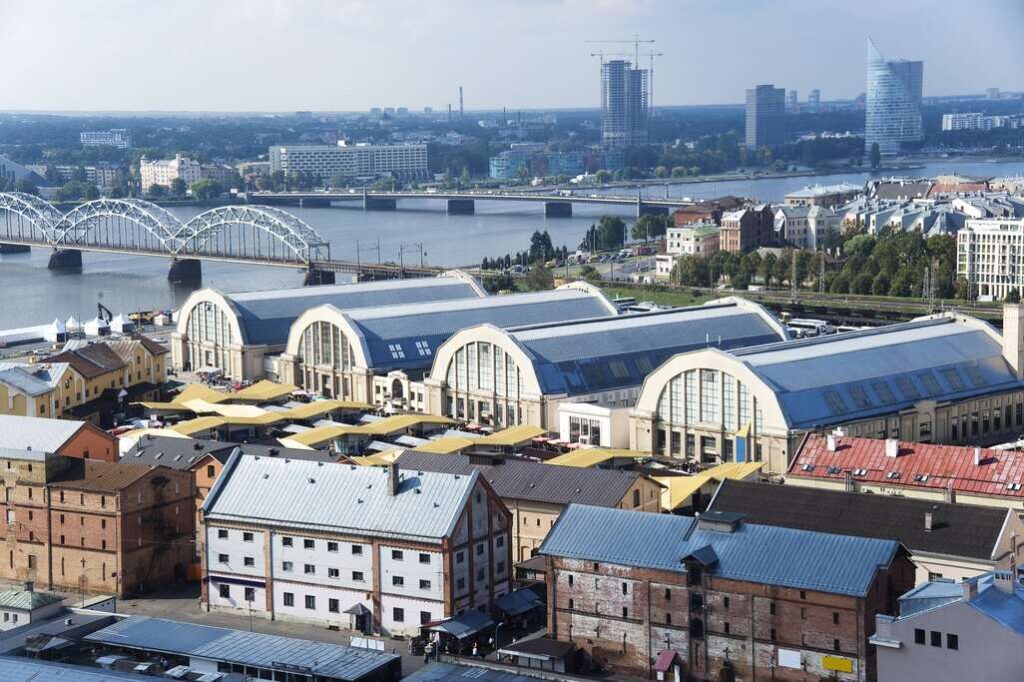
(349, 55)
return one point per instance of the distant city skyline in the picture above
(349, 55)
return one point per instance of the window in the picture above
(636, 498)
(222, 534)
(725, 603)
(424, 584)
(952, 641)
(246, 537)
(572, 604)
(772, 634)
(835, 645)
(309, 569)
(625, 612)
(918, 636)
(286, 566)
(249, 561)
(310, 602)
(625, 588)
(224, 591)
(397, 580)
(424, 617)
(668, 594)
(396, 351)
(250, 594)
(398, 615)
(480, 547)
(570, 580)
(223, 558)
(460, 584)
(479, 574)
(835, 618)
(286, 541)
(771, 610)
(668, 618)
(460, 557)
(936, 638)
(803, 594)
(726, 627)
(333, 573)
(209, 471)
(423, 348)
(500, 542)
(357, 550)
(424, 558)
(357, 576)
(332, 546)
(396, 554)
(308, 544)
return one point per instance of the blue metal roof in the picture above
(600, 355)
(762, 554)
(241, 647)
(267, 316)
(20, 669)
(402, 326)
(1002, 607)
(837, 379)
(24, 382)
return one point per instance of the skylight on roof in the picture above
(893, 475)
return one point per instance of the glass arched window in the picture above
(324, 345)
(708, 397)
(208, 322)
(484, 366)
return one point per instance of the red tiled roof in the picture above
(937, 466)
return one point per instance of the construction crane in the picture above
(636, 45)
(651, 55)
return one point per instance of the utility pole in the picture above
(792, 278)
(821, 273)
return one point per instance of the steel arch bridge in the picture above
(245, 234)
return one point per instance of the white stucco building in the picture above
(165, 171)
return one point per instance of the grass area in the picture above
(656, 295)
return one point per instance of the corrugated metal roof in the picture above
(524, 480)
(266, 316)
(20, 669)
(592, 457)
(94, 474)
(770, 555)
(24, 382)
(840, 378)
(36, 433)
(389, 335)
(919, 465)
(601, 355)
(241, 647)
(50, 372)
(346, 498)
(27, 600)
(513, 435)
(264, 390)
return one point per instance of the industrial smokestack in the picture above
(461, 110)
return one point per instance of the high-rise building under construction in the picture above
(624, 100)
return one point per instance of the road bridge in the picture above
(251, 235)
(462, 203)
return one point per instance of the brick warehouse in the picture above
(94, 527)
(716, 598)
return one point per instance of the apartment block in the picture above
(990, 256)
(373, 549)
(165, 171)
(400, 160)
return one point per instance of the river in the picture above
(32, 294)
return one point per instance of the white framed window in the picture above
(423, 348)
(396, 351)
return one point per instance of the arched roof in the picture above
(590, 356)
(407, 336)
(265, 317)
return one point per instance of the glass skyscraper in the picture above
(623, 104)
(893, 99)
(766, 116)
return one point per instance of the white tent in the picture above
(72, 325)
(120, 324)
(56, 332)
(97, 326)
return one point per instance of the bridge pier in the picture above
(558, 209)
(185, 270)
(379, 204)
(65, 259)
(316, 277)
(644, 209)
(314, 202)
(15, 248)
(461, 206)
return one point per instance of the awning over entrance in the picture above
(665, 660)
(464, 625)
(358, 609)
(519, 602)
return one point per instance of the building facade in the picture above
(632, 589)
(922, 381)
(118, 138)
(405, 161)
(163, 172)
(766, 116)
(624, 102)
(235, 332)
(746, 229)
(893, 104)
(990, 256)
(375, 550)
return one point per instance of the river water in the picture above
(32, 294)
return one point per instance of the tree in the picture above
(1012, 296)
(875, 157)
(691, 271)
(339, 180)
(27, 186)
(156, 191)
(178, 188)
(539, 278)
(465, 177)
(590, 273)
(602, 176)
(611, 232)
(540, 246)
(767, 269)
(205, 189)
(501, 282)
(880, 287)
(661, 172)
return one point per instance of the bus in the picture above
(803, 328)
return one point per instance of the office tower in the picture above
(791, 100)
(814, 99)
(766, 116)
(623, 104)
(893, 102)
(992, 93)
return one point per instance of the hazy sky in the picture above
(286, 55)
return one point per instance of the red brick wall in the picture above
(95, 442)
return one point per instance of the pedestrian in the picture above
(476, 650)
(490, 642)
(427, 650)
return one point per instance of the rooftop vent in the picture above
(977, 456)
(197, 446)
(312, 480)
(723, 522)
(273, 452)
(928, 521)
(830, 442)
(892, 447)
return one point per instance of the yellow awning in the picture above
(200, 406)
(264, 390)
(591, 457)
(197, 425)
(193, 391)
(512, 436)
(679, 489)
(156, 406)
(401, 422)
(321, 435)
(446, 446)
(379, 459)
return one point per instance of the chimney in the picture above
(977, 456)
(1003, 581)
(1013, 331)
(30, 586)
(892, 448)
(928, 521)
(970, 588)
(830, 442)
(393, 480)
(950, 496)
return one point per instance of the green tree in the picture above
(611, 232)
(875, 157)
(691, 271)
(539, 278)
(502, 281)
(861, 284)
(880, 286)
(465, 178)
(590, 273)
(1012, 296)
(339, 180)
(840, 284)
(678, 171)
(540, 246)
(205, 189)
(602, 176)
(661, 172)
(156, 191)
(648, 227)
(27, 186)
(178, 188)
(767, 269)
